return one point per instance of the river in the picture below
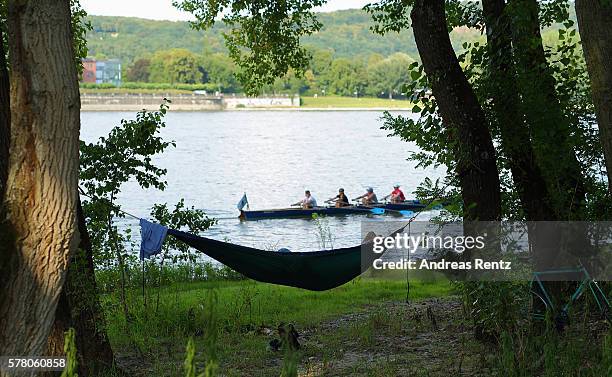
(273, 156)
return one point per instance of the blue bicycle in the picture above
(561, 316)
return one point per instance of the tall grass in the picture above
(156, 275)
(242, 307)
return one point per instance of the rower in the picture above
(397, 196)
(341, 199)
(368, 198)
(308, 202)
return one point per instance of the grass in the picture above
(352, 102)
(247, 313)
(363, 328)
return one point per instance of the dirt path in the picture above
(424, 338)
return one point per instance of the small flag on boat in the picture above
(243, 202)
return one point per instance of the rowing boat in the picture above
(281, 213)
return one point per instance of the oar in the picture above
(382, 211)
(403, 212)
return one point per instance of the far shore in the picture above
(111, 108)
(105, 100)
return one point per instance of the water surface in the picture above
(273, 156)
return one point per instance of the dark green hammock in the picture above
(315, 271)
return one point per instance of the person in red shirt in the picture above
(397, 196)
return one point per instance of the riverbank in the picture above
(364, 328)
(353, 103)
(136, 100)
(339, 324)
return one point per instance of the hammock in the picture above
(315, 271)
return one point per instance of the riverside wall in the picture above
(181, 102)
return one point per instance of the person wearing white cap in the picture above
(397, 196)
(368, 198)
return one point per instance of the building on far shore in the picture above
(102, 71)
(89, 71)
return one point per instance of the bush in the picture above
(209, 87)
(88, 85)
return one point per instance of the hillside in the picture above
(347, 32)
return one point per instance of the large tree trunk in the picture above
(515, 137)
(460, 111)
(79, 308)
(5, 118)
(594, 21)
(38, 233)
(549, 128)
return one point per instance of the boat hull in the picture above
(283, 213)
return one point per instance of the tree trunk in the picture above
(38, 233)
(515, 138)
(5, 118)
(594, 19)
(79, 308)
(460, 111)
(549, 129)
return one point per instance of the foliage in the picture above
(346, 77)
(79, 23)
(219, 71)
(346, 32)
(105, 166)
(163, 276)
(71, 354)
(139, 71)
(548, 354)
(175, 66)
(290, 363)
(389, 77)
(126, 155)
(151, 86)
(190, 367)
(211, 366)
(324, 234)
(495, 307)
(263, 38)
(346, 35)
(192, 220)
(80, 27)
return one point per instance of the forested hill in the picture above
(347, 32)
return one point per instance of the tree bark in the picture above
(515, 138)
(5, 118)
(79, 308)
(460, 111)
(549, 129)
(38, 233)
(594, 19)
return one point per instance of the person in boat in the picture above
(308, 202)
(396, 196)
(341, 199)
(368, 198)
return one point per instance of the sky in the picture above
(163, 9)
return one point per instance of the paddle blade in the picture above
(378, 211)
(407, 213)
